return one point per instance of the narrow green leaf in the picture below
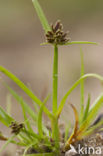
(31, 136)
(73, 87)
(8, 104)
(73, 136)
(45, 130)
(5, 118)
(36, 107)
(92, 114)
(20, 84)
(26, 109)
(41, 15)
(24, 139)
(28, 147)
(67, 131)
(81, 87)
(26, 119)
(40, 125)
(47, 98)
(23, 104)
(87, 108)
(80, 42)
(73, 42)
(40, 130)
(92, 129)
(96, 105)
(25, 89)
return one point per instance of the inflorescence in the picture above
(16, 128)
(57, 35)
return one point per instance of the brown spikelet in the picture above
(16, 128)
(56, 35)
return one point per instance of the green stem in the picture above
(55, 133)
(55, 79)
(55, 128)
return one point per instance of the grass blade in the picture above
(74, 134)
(5, 118)
(93, 128)
(20, 84)
(41, 15)
(41, 127)
(25, 89)
(67, 132)
(28, 147)
(26, 109)
(73, 87)
(87, 108)
(40, 130)
(36, 107)
(30, 134)
(9, 104)
(23, 104)
(26, 119)
(81, 88)
(73, 42)
(80, 42)
(92, 114)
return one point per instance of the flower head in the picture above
(16, 128)
(56, 35)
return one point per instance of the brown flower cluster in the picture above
(56, 35)
(16, 128)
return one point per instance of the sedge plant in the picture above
(47, 141)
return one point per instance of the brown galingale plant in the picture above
(47, 141)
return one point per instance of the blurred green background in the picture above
(20, 50)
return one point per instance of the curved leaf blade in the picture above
(25, 89)
(73, 87)
(91, 116)
(5, 118)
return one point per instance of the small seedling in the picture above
(47, 141)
